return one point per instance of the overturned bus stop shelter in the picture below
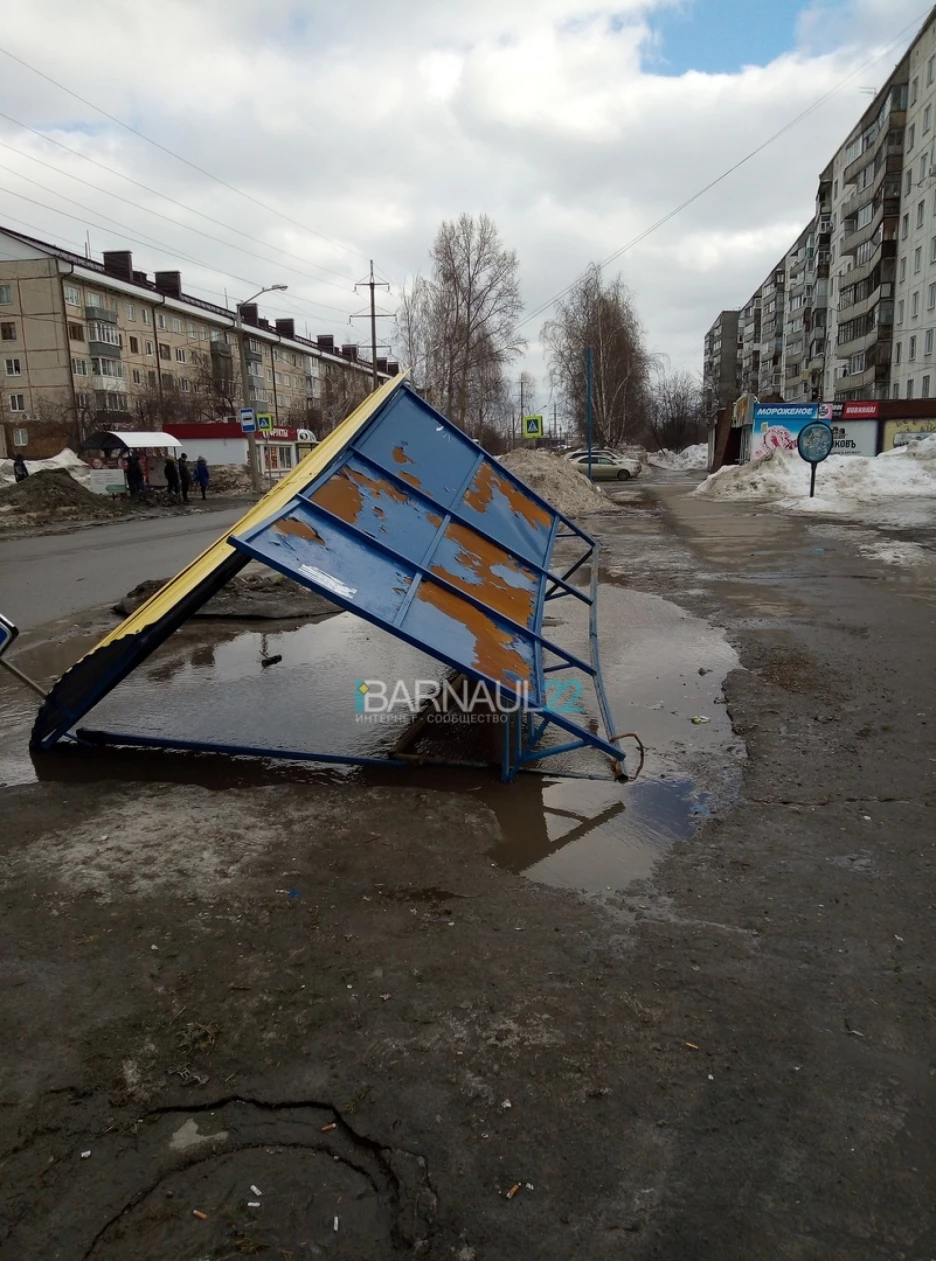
(397, 516)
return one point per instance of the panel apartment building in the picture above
(849, 311)
(87, 345)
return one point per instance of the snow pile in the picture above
(64, 460)
(844, 483)
(50, 495)
(681, 461)
(557, 481)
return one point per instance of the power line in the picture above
(155, 192)
(730, 171)
(179, 158)
(170, 250)
(158, 214)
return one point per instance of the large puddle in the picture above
(295, 687)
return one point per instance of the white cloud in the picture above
(371, 124)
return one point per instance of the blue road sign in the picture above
(248, 420)
(8, 633)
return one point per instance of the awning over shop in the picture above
(134, 441)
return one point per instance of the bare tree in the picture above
(457, 329)
(676, 416)
(600, 315)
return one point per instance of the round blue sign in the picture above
(815, 442)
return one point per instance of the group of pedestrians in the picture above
(180, 476)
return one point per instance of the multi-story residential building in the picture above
(722, 368)
(772, 294)
(913, 374)
(857, 289)
(749, 341)
(87, 345)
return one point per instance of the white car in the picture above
(605, 466)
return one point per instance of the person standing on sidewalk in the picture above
(201, 474)
(172, 478)
(20, 471)
(185, 476)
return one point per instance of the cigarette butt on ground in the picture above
(202, 1217)
(513, 1190)
(692, 1046)
(332, 1125)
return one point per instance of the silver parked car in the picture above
(605, 466)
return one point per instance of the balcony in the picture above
(104, 350)
(881, 334)
(107, 383)
(889, 208)
(889, 140)
(222, 349)
(887, 249)
(890, 165)
(852, 385)
(101, 313)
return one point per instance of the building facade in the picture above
(87, 345)
(721, 368)
(849, 313)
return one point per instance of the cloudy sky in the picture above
(576, 124)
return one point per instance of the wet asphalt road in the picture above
(49, 576)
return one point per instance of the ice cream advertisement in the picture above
(777, 426)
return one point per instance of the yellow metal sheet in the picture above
(271, 504)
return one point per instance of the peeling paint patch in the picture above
(496, 651)
(301, 529)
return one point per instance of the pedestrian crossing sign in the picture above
(532, 426)
(264, 422)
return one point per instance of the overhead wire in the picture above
(229, 227)
(146, 240)
(178, 156)
(642, 236)
(159, 215)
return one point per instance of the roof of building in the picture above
(145, 285)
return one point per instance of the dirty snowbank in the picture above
(695, 457)
(558, 481)
(64, 460)
(845, 484)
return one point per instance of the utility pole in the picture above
(375, 315)
(588, 406)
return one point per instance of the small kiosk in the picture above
(108, 451)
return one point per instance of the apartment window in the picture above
(910, 388)
(911, 352)
(192, 333)
(915, 304)
(131, 311)
(911, 136)
(898, 352)
(13, 368)
(927, 118)
(17, 402)
(76, 332)
(6, 294)
(917, 259)
(176, 325)
(900, 311)
(107, 368)
(164, 351)
(149, 348)
(928, 342)
(254, 345)
(167, 380)
(923, 165)
(160, 320)
(925, 388)
(94, 299)
(184, 385)
(98, 331)
(908, 181)
(83, 400)
(80, 367)
(904, 227)
(895, 392)
(180, 355)
(931, 300)
(146, 315)
(152, 380)
(8, 331)
(21, 437)
(921, 210)
(137, 376)
(72, 295)
(864, 215)
(903, 270)
(134, 345)
(914, 90)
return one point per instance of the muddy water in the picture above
(294, 687)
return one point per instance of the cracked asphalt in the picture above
(329, 993)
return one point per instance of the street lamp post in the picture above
(255, 481)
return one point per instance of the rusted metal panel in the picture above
(416, 528)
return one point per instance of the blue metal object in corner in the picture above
(417, 529)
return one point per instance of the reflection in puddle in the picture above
(662, 667)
